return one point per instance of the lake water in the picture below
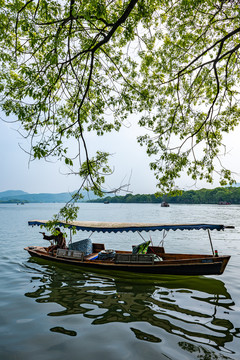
(50, 311)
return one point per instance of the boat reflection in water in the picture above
(191, 313)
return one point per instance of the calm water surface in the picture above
(50, 311)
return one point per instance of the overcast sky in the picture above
(129, 160)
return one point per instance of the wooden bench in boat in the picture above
(134, 259)
(70, 254)
(97, 247)
(156, 250)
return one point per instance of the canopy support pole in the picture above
(141, 236)
(210, 241)
(161, 243)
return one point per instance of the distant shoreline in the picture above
(219, 195)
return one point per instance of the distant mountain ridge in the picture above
(11, 193)
(22, 196)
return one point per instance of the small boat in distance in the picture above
(143, 258)
(164, 204)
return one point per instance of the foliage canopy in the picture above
(65, 64)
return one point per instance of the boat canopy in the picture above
(133, 227)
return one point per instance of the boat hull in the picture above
(194, 265)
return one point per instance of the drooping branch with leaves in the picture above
(69, 67)
(197, 92)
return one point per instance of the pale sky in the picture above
(129, 160)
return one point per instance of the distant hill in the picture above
(11, 193)
(15, 196)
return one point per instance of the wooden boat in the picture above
(154, 261)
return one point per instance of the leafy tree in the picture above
(66, 64)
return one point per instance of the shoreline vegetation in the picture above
(219, 195)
